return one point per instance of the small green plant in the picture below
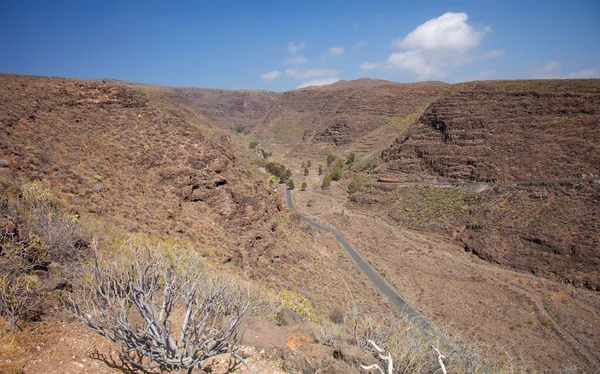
(290, 184)
(304, 185)
(320, 169)
(326, 182)
(350, 158)
(336, 173)
(298, 304)
(310, 202)
(330, 159)
(305, 172)
(253, 144)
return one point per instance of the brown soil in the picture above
(547, 322)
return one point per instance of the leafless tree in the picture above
(133, 302)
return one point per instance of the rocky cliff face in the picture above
(507, 131)
(503, 131)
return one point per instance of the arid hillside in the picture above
(144, 161)
(362, 115)
(499, 132)
(504, 131)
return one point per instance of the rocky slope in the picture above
(503, 131)
(357, 115)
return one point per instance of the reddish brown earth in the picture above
(499, 266)
(357, 115)
(504, 131)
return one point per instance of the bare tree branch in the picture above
(131, 302)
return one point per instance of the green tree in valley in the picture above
(326, 182)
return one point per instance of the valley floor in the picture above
(553, 325)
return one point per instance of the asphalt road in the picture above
(513, 183)
(380, 282)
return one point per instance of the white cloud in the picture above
(366, 66)
(293, 73)
(587, 73)
(448, 31)
(415, 61)
(295, 48)
(272, 75)
(311, 73)
(494, 54)
(297, 60)
(319, 82)
(437, 46)
(547, 71)
(336, 51)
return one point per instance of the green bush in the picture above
(304, 185)
(330, 159)
(326, 182)
(350, 158)
(305, 172)
(336, 173)
(355, 185)
(320, 169)
(290, 184)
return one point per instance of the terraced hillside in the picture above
(361, 115)
(504, 131)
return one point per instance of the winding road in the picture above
(380, 282)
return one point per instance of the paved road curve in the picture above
(380, 282)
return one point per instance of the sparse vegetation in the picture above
(305, 172)
(298, 304)
(253, 144)
(336, 173)
(350, 158)
(320, 169)
(331, 159)
(304, 185)
(326, 181)
(131, 298)
(290, 184)
(355, 185)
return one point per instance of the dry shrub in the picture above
(410, 341)
(163, 309)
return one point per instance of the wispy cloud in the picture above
(272, 75)
(586, 73)
(319, 82)
(297, 60)
(553, 70)
(336, 51)
(547, 71)
(311, 73)
(296, 48)
(367, 66)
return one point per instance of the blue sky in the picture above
(281, 45)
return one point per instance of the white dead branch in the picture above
(387, 358)
(440, 357)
